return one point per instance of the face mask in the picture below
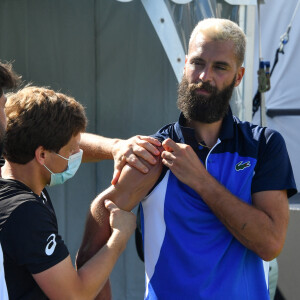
(74, 162)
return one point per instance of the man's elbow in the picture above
(271, 249)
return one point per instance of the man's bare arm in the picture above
(132, 151)
(261, 227)
(131, 188)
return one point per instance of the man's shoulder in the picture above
(165, 131)
(171, 130)
(14, 198)
(11, 190)
(257, 132)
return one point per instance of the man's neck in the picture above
(27, 174)
(205, 132)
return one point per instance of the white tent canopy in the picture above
(283, 99)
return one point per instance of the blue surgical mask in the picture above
(74, 162)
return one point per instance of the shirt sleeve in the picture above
(273, 170)
(33, 237)
(166, 132)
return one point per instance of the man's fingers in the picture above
(116, 176)
(169, 145)
(167, 163)
(168, 155)
(110, 205)
(151, 140)
(119, 165)
(138, 152)
(168, 159)
(136, 163)
(146, 152)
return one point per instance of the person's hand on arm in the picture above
(260, 227)
(131, 188)
(132, 151)
(63, 282)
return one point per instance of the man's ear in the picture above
(239, 76)
(40, 154)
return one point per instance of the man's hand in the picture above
(130, 151)
(121, 222)
(182, 160)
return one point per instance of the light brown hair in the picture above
(37, 116)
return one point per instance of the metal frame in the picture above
(181, 1)
(162, 21)
(247, 23)
(274, 112)
(241, 2)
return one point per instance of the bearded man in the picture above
(219, 209)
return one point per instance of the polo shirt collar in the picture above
(187, 134)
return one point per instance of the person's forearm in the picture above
(94, 278)
(96, 147)
(97, 233)
(97, 278)
(258, 227)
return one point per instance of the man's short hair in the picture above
(222, 30)
(37, 116)
(8, 78)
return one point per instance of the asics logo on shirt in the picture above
(241, 165)
(50, 247)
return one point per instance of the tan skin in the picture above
(62, 281)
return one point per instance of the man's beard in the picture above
(205, 109)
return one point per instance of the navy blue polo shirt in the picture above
(189, 253)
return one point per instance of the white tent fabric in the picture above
(285, 86)
(284, 94)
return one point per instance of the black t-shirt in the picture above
(29, 238)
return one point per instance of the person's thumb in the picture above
(110, 205)
(168, 145)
